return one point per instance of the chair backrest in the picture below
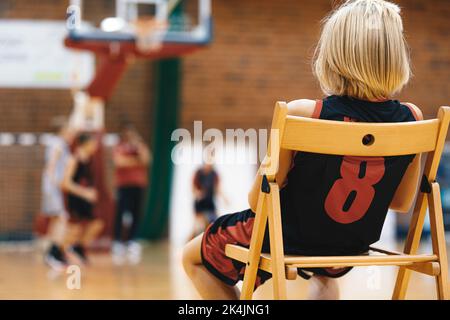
(357, 139)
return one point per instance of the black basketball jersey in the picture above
(336, 205)
(207, 183)
(84, 177)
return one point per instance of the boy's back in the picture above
(334, 205)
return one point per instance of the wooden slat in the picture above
(357, 260)
(270, 168)
(429, 268)
(326, 136)
(437, 232)
(291, 273)
(251, 260)
(276, 243)
(241, 254)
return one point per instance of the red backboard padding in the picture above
(115, 56)
(128, 48)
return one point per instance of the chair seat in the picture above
(426, 263)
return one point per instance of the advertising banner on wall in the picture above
(32, 55)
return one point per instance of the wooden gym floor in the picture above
(23, 275)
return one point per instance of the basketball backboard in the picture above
(189, 21)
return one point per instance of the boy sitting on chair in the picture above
(330, 205)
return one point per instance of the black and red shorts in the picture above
(79, 209)
(236, 229)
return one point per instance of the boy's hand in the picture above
(226, 201)
(198, 194)
(91, 195)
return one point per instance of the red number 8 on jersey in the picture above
(351, 196)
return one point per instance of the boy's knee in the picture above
(187, 259)
(192, 255)
(97, 224)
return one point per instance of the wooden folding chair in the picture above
(349, 138)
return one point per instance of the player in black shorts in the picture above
(81, 196)
(205, 186)
(330, 205)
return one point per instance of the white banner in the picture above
(32, 55)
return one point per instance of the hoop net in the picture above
(150, 33)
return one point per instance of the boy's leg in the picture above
(118, 248)
(135, 209)
(57, 230)
(55, 256)
(208, 286)
(204, 222)
(323, 288)
(134, 249)
(121, 208)
(86, 232)
(91, 231)
(73, 234)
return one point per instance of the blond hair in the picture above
(362, 52)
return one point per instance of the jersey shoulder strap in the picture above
(415, 111)
(317, 109)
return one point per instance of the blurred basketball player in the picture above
(78, 183)
(206, 187)
(57, 154)
(131, 159)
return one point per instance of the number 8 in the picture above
(351, 196)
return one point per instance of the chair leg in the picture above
(276, 244)
(438, 240)
(411, 245)
(254, 254)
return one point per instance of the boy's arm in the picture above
(195, 188)
(406, 191)
(123, 161)
(300, 108)
(145, 156)
(50, 167)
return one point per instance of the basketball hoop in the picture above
(150, 33)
